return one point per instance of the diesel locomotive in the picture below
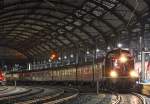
(119, 69)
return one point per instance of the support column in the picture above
(143, 66)
(85, 54)
(34, 64)
(77, 62)
(29, 66)
(93, 63)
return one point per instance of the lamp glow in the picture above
(71, 55)
(119, 45)
(87, 52)
(65, 57)
(133, 74)
(108, 47)
(97, 50)
(113, 74)
(53, 56)
(59, 58)
(123, 59)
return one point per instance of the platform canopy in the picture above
(34, 27)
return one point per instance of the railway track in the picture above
(69, 93)
(60, 96)
(54, 95)
(42, 95)
(129, 98)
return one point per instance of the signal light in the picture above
(53, 55)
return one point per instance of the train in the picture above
(119, 69)
(115, 69)
(80, 73)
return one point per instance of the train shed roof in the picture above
(34, 27)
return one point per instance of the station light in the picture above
(108, 47)
(59, 58)
(119, 45)
(71, 55)
(65, 57)
(97, 50)
(29, 66)
(87, 52)
(49, 60)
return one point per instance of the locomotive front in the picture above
(119, 68)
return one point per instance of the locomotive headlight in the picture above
(133, 74)
(113, 74)
(123, 59)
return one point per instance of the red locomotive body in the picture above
(119, 68)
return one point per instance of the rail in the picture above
(140, 97)
(59, 97)
(42, 99)
(117, 99)
(66, 98)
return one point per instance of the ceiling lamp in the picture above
(71, 55)
(97, 50)
(87, 52)
(119, 45)
(65, 57)
(108, 47)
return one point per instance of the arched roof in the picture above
(37, 26)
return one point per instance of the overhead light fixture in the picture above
(65, 57)
(87, 52)
(71, 55)
(97, 50)
(119, 45)
(108, 47)
(59, 58)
